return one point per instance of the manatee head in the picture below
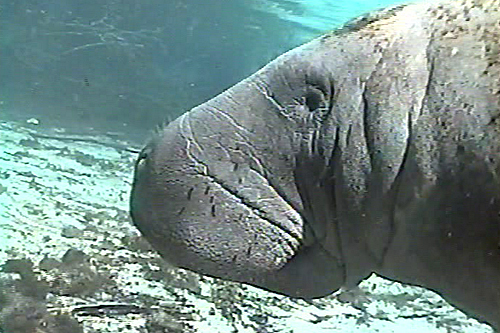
(374, 149)
(221, 190)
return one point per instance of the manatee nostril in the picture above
(207, 189)
(212, 199)
(213, 210)
(141, 159)
(144, 154)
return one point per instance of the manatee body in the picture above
(375, 148)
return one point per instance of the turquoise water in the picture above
(317, 16)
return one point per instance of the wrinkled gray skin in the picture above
(372, 149)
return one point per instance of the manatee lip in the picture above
(176, 153)
(261, 212)
(142, 159)
(146, 179)
(202, 167)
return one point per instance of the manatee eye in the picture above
(314, 98)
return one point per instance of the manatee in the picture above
(373, 148)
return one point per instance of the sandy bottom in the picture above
(71, 261)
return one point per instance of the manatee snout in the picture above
(198, 219)
(213, 210)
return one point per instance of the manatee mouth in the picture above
(260, 207)
(210, 207)
(209, 204)
(234, 168)
(245, 224)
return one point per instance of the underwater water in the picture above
(83, 85)
(318, 16)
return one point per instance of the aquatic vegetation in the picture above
(23, 307)
(29, 284)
